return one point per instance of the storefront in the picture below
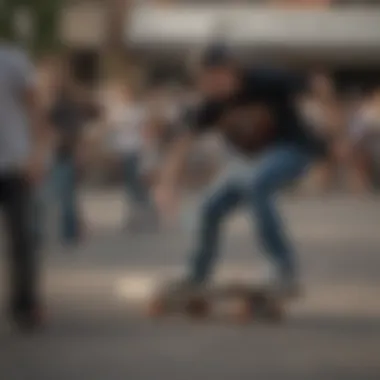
(83, 31)
(347, 40)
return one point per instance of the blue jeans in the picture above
(135, 187)
(274, 169)
(61, 185)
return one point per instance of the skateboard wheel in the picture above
(274, 313)
(156, 308)
(197, 308)
(244, 312)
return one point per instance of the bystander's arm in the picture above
(41, 133)
(171, 173)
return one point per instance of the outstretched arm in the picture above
(170, 175)
(176, 158)
(195, 121)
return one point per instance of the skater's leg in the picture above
(213, 211)
(275, 169)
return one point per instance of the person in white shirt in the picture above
(128, 120)
(364, 128)
(324, 119)
(23, 149)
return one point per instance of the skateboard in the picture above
(235, 302)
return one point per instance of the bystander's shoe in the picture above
(77, 238)
(28, 321)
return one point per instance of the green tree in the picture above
(44, 18)
(8, 10)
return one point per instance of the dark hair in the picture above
(216, 55)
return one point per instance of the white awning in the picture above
(193, 25)
(83, 25)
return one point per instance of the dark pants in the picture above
(16, 201)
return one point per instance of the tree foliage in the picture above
(45, 22)
(7, 16)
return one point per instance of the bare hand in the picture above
(166, 198)
(342, 151)
(35, 170)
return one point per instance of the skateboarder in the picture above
(255, 110)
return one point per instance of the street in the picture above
(95, 296)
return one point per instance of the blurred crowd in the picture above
(119, 134)
(350, 123)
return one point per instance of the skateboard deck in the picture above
(235, 302)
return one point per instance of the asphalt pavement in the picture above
(95, 295)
